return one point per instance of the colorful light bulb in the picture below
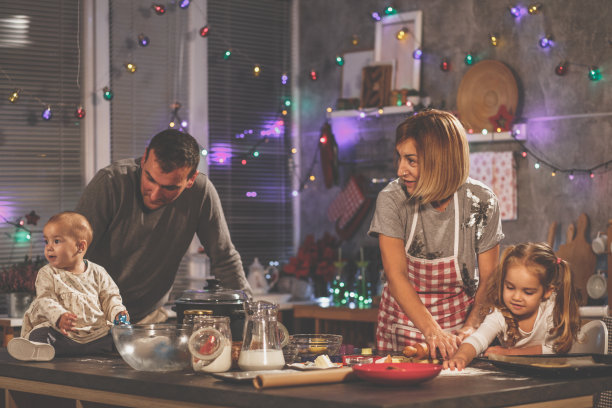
(355, 40)
(469, 59)
(130, 67)
(227, 54)
(389, 11)
(494, 39)
(445, 65)
(107, 93)
(47, 114)
(143, 40)
(417, 54)
(546, 41)
(534, 8)
(184, 4)
(80, 112)
(204, 31)
(594, 73)
(561, 69)
(159, 9)
(323, 139)
(571, 175)
(313, 75)
(402, 33)
(339, 60)
(256, 70)
(515, 11)
(14, 96)
(284, 79)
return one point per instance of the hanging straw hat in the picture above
(485, 88)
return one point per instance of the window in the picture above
(40, 160)
(256, 196)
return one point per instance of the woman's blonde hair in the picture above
(552, 272)
(443, 153)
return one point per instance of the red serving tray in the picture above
(394, 374)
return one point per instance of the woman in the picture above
(435, 227)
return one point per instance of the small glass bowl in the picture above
(308, 347)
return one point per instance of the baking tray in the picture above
(546, 365)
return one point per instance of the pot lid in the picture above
(213, 293)
(484, 90)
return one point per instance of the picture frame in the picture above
(388, 47)
(376, 85)
(351, 72)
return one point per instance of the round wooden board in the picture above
(484, 88)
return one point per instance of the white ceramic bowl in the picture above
(153, 347)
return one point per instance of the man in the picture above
(145, 212)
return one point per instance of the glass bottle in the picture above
(261, 346)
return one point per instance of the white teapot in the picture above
(261, 279)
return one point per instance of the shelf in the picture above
(386, 110)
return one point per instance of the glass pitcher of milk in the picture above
(261, 345)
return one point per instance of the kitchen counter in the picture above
(109, 380)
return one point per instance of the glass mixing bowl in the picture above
(153, 347)
(307, 347)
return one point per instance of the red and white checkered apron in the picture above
(440, 287)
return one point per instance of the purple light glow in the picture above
(251, 194)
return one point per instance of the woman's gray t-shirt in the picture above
(479, 224)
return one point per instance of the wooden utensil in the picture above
(578, 252)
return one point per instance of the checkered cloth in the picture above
(346, 205)
(441, 290)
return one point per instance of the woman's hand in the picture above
(445, 343)
(66, 323)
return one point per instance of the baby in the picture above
(76, 300)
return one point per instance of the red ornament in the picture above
(561, 69)
(445, 65)
(80, 113)
(159, 9)
(503, 119)
(204, 31)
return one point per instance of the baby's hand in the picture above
(122, 318)
(66, 323)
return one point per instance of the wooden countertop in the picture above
(108, 379)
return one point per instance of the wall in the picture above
(571, 139)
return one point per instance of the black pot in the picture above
(221, 301)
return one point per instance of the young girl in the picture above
(534, 307)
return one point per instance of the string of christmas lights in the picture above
(539, 162)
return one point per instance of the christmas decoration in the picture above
(349, 208)
(184, 4)
(160, 9)
(515, 11)
(313, 75)
(402, 33)
(107, 93)
(502, 122)
(534, 8)
(546, 42)
(339, 60)
(561, 69)
(469, 59)
(494, 39)
(80, 112)
(143, 40)
(227, 54)
(32, 218)
(256, 70)
(14, 96)
(594, 73)
(417, 54)
(328, 149)
(47, 114)
(204, 31)
(445, 65)
(130, 67)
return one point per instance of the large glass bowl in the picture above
(307, 347)
(153, 347)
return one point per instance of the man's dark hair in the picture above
(175, 150)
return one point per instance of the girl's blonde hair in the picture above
(552, 272)
(443, 153)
